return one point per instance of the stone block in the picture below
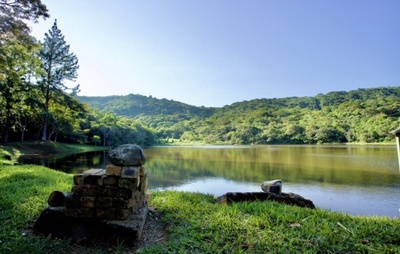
(104, 202)
(96, 180)
(89, 202)
(120, 203)
(116, 192)
(81, 212)
(143, 183)
(86, 190)
(112, 170)
(78, 179)
(132, 227)
(113, 213)
(140, 199)
(130, 183)
(72, 201)
(55, 222)
(130, 172)
(94, 171)
(108, 180)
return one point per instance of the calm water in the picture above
(359, 180)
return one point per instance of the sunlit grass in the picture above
(24, 192)
(8, 155)
(197, 224)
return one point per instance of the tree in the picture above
(18, 62)
(17, 55)
(58, 65)
(14, 13)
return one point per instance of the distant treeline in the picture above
(363, 115)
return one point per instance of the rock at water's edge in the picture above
(127, 155)
(286, 198)
(274, 186)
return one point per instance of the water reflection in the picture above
(71, 163)
(361, 180)
(297, 164)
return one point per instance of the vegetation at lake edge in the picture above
(195, 223)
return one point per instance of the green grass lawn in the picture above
(196, 223)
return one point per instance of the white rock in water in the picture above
(274, 186)
(127, 155)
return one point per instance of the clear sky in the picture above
(215, 53)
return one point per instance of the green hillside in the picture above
(133, 105)
(363, 115)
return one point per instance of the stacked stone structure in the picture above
(113, 199)
(113, 193)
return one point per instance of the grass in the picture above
(195, 223)
(24, 192)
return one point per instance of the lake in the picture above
(354, 179)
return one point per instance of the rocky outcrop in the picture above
(286, 198)
(271, 192)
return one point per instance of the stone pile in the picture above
(112, 199)
(112, 193)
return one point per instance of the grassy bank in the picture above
(10, 153)
(195, 223)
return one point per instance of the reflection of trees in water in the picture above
(298, 164)
(71, 163)
(172, 166)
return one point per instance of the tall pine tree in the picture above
(58, 65)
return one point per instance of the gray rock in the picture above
(285, 198)
(127, 155)
(274, 186)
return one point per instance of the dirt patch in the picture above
(154, 231)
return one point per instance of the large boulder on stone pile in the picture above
(127, 155)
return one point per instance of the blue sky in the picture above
(215, 53)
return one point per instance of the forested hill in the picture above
(363, 115)
(133, 105)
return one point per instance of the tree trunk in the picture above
(7, 122)
(23, 130)
(44, 132)
(5, 138)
